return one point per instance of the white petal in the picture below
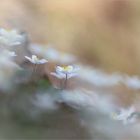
(58, 68)
(34, 57)
(59, 76)
(11, 53)
(42, 61)
(55, 74)
(28, 58)
(72, 75)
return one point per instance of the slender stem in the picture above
(65, 82)
(34, 70)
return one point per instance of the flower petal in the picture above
(28, 58)
(42, 61)
(72, 75)
(59, 76)
(59, 69)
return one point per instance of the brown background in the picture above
(104, 33)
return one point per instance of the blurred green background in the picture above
(103, 33)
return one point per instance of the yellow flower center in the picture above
(66, 68)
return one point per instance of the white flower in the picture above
(132, 82)
(12, 53)
(65, 72)
(52, 53)
(126, 115)
(7, 70)
(10, 38)
(9, 53)
(45, 102)
(35, 60)
(55, 55)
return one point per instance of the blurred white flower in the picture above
(45, 102)
(55, 55)
(98, 77)
(10, 53)
(78, 98)
(86, 99)
(132, 82)
(10, 38)
(65, 72)
(52, 53)
(127, 116)
(7, 70)
(35, 60)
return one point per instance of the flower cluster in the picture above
(52, 53)
(10, 38)
(127, 116)
(64, 73)
(9, 53)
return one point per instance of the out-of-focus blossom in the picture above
(10, 53)
(10, 38)
(56, 55)
(35, 60)
(52, 54)
(127, 116)
(7, 70)
(78, 99)
(100, 78)
(45, 102)
(132, 82)
(65, 72)
(88, 100)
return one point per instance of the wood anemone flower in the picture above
(35, 60)
(65, 72)
(127, 116)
